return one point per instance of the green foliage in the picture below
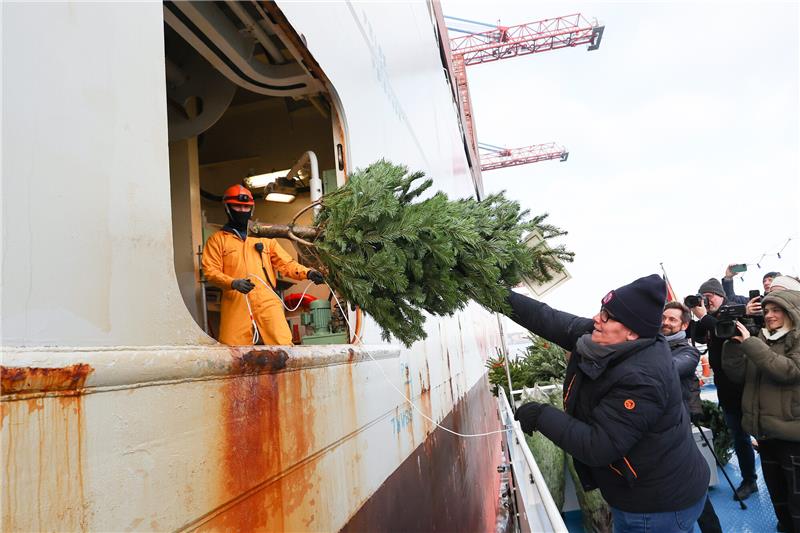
(713, 419)
(397, 256)
(595, 512)
(549, 457)
(542, 363)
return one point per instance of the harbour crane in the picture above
(504, 42)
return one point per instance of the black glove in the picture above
(242, 285)
(696, 418)
(528, 416)
(316, 277)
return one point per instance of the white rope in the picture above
(299, 303)
(252, 319)
(358, 340)
(401, 393)
(256, 336)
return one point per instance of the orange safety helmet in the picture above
(237, 195)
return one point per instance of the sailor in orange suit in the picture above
(230, 258)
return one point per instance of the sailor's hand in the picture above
(316, 277)
(242, 285)
(528, 416)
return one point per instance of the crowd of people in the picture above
(631, 394)
(757, 377)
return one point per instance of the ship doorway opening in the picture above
(246, 98)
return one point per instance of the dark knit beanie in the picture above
(770, 275)
(639, 305)
(713, 286)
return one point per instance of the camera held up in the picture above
(694, 300)
(728, 315)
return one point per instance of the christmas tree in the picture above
(397, 255)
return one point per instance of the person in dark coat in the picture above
(674, 323)
(729, 393)
(623, 421)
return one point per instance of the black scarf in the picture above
(596, 357)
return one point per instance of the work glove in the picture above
(316, 277)
(528, 416)
(242, 285)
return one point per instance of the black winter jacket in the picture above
(685, 357)
(623, 422)
(730, 294)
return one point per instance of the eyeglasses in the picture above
(605, 316)
(239, 198)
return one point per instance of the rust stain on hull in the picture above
(267, 427)
(448, 483)
(259, 361)
(39, 379)
(43, 442)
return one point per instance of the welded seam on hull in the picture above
(313, 457)
(157, 383)
(116, 370)
(263, 484)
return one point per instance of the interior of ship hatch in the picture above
(246, 104)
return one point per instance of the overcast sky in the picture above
(683, 138)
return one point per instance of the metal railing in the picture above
(535, 506)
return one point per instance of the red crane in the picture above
(493, 157)
(503, 42)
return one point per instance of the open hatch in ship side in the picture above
(247, 104)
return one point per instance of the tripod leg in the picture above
(719, 464)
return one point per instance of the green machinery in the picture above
(320, 328)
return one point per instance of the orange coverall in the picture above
(226, 258)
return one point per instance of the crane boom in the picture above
(502, 42)
(511, 157)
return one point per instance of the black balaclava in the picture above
(238, 219)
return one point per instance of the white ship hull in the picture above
(118, 411)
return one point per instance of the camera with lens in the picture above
(728, 315)
(694, 300)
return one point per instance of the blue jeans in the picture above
(741, 443)
(670, 522)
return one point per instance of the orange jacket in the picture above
(226, 258)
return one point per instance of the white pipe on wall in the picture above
(315, 182)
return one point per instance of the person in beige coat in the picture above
(769, 367)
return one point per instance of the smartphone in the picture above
(755, 293)
(736, 269)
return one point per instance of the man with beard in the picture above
(685, 357)
(250, 312)
(729, 393)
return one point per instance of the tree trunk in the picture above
(281, 231)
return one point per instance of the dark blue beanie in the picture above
(639, 305)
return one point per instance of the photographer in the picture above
(753, 301)
(729, 393)
(727, 284)
(769, 367)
